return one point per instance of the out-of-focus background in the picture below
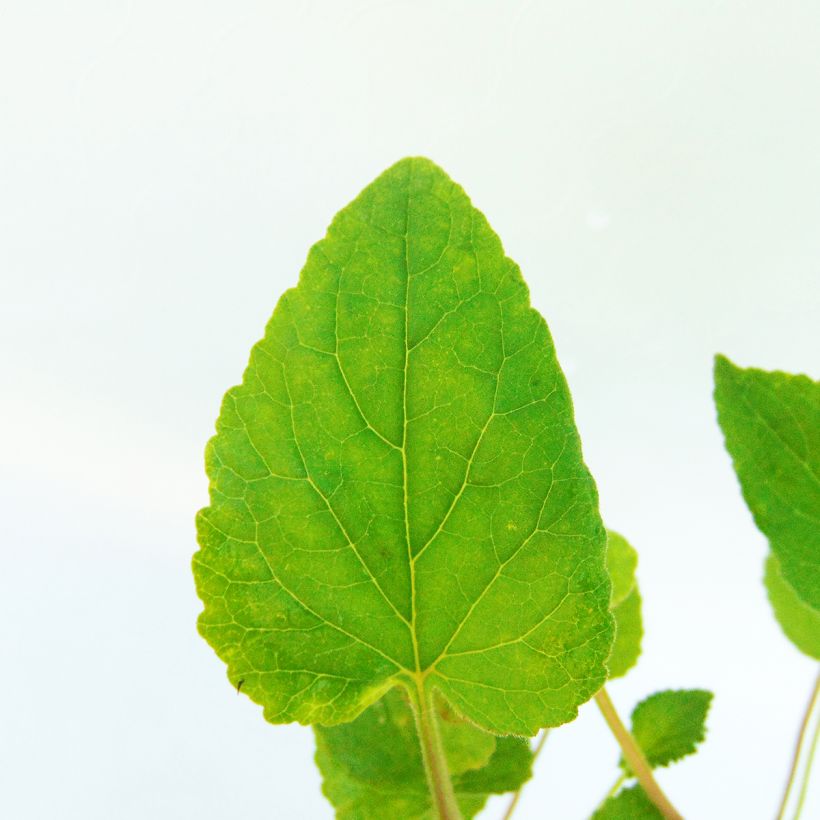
(164, 166)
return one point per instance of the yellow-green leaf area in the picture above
(771, 423)
(372, 767)
(397, 491)
(626, 648)
(799, 622)
(625, 604)
(621, 563)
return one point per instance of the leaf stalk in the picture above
(635, 757)
(798, 753)
(432, 753)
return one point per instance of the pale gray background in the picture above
(653, 167)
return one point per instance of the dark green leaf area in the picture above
(372, 767)
(771, 423)
(669, 725)
(799, 622)
(628, 804)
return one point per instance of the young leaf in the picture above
(372, 767)
(621, 562)
(771, 422)
(397, 489)
(626, 649)
(628, 804)
(799, 622)
(669, 725)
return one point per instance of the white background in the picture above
(164, 167)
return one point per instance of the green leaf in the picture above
(628, 804)
(397, 490)
(799, 622)
(626, 648)
(771, 422)
(621, 562)
(669, 725)
(372, 767)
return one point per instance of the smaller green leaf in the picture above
(669, 725)
(621, 562)
(625, 605)
(626, 648)
(372, 767)
(628, 804)
(465, 745)
(506, 771)
(799, 622)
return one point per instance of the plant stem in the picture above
(801, 738)
(616, 785)
(517, 796)
(804, 786)
(635, 757)
(432, 753)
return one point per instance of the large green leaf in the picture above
(771, 422)
(372, 767)
(621, 562)
(628, 804)
(800, 623)
(397, 489)
(669, 725)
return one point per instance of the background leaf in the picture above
(771, 422)
(670, 724)
(372, 767)
(621, 562)
(626, 648)
(628, 804)
(397, 489)
(799, 622)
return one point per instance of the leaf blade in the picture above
(799, 622)
(771, 425)
(670, 724)
(397, 472)
(621, 563)
(625, 605)
(629, 804)
(626, 648)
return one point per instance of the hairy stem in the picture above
(798, 749)
(517, 796)
(432, 753)
(635, 757)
